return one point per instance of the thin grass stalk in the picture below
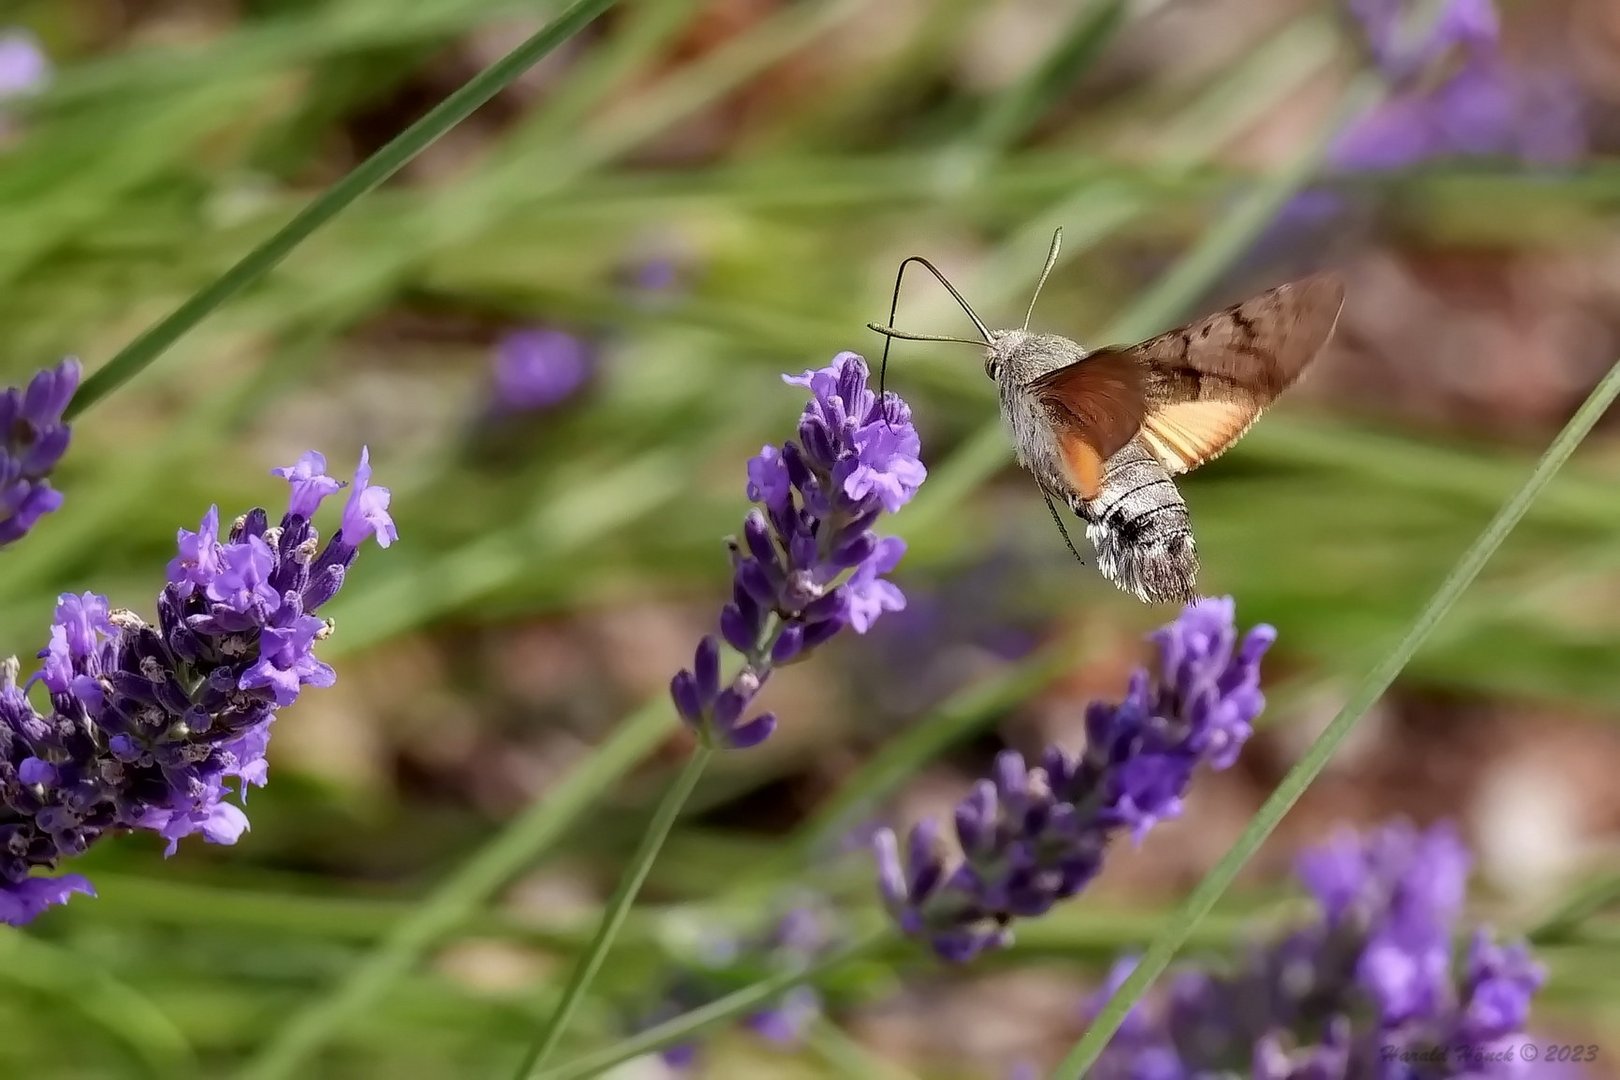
(156, 340)
(618, 907)
(739, 1003)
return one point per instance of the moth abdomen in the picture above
(1141, 529)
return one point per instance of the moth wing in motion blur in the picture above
(1208, 382)
(1203, 386)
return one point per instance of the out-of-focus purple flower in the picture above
(808, 563)
(1415, 883)
(1484, 109)
(24, 67)
(957, 624)
(793, 940)
(1499, 983)
(1480, 107)
(1031, 837)
(34, 439)
(539, 368)
(657, 275)
(1368, 989)
(1403, 48)
(150, 726)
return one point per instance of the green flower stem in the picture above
(1372, 687)
(370, 173)
(682, 1028)
(618, 907)
(463, 893)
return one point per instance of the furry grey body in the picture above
(1138, 523)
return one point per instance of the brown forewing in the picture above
(1096, 406)
(1206, 383)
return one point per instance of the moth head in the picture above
(999, 352)
(992, 356)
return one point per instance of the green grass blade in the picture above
(586, 967)
(1589, 899)
(1372, 687)
(370, 173)
(462, 893)
(847, 1056)
(739, 1003)
(73, 982)
(1014, 111)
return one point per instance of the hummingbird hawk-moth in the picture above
(1105, 430)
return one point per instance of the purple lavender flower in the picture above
(24, 66)
(809, 563)
(540, 368)
(1033, 836)
(309, 481)
(366, 512)
(1370, 988)
(149, 726)
(796, 938)
(35, 438)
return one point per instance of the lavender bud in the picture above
(789, 644)
(706, 668)
(752, 733)
(688, 702)
(738, 632)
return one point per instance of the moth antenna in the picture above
(894, 309)
(891, 332)
(1057, 520)
(1046, 271)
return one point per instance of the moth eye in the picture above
(992, 367)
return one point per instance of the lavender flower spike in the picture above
(1031, 836)
(35, 438)
(150, 726)
(808, 563)
(1370, 987)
